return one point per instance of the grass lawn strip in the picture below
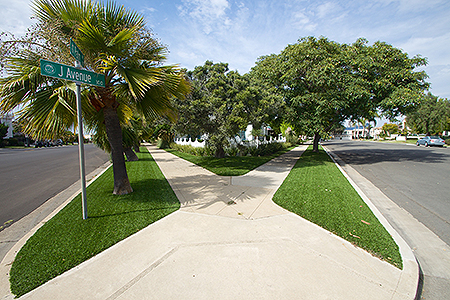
(67, 240)
(316, 190)
(230, 165)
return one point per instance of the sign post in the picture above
(81, 152)
(76, 52)
(79, 76)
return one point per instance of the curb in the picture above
(409, 280)
(7, 261)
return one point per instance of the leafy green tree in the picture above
(217, 106)
(165, 134)
(262, 104)
(390, 128)
(324, 83)
(431, 115)
(116, 43)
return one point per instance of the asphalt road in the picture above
(417, 180)
(29, 177)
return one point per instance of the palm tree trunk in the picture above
(131, 156)
(114, 132)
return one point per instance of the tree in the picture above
(222, 103)
(130, 139)
(431, 115)
(390, 128)
(115, 42)
(215, 107)
(324, 83)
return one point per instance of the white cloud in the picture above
(327, 9)
(149, 9)
(15, 16)
(430, 47)
(302, 21)
(412, 5)
(209, 15)
(206, 9)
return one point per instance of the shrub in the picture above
(12, 142)
(240, 150)
(198, 151)
(232, 151)
(162, 144)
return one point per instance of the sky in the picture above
(239, 32)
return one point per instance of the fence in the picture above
(234, 142)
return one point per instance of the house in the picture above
(7, 119)
(375, 132)
(355, 132)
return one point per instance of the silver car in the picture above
(432, 140)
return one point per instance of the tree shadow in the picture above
(98, 216)
(148, 195)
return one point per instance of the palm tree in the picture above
(115, 42)
(132, 133)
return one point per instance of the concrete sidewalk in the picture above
(230, 241)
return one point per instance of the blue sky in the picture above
(238, 32)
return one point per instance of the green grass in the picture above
(67, 240)
(408, 141)
(316, 190)
(230, 165)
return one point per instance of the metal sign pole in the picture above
(81, 149)
(78, 75)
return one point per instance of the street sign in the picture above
(56, 70)
(76, 52)
(79, 76)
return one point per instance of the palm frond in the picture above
(50, 113)
(70, 12)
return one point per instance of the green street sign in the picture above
(56, 70)
(76, 52)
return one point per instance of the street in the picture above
(417, 180)
(29, 177)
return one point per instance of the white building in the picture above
(355, 132)
(7, 119)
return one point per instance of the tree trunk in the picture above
(136, 148)
(316, 142)
(131, 156)
(220, 152)
(114, 132)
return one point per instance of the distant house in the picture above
(355, 132)
(359, 132)
(7, 119)
(375, 132)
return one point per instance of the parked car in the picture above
(432, 140)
